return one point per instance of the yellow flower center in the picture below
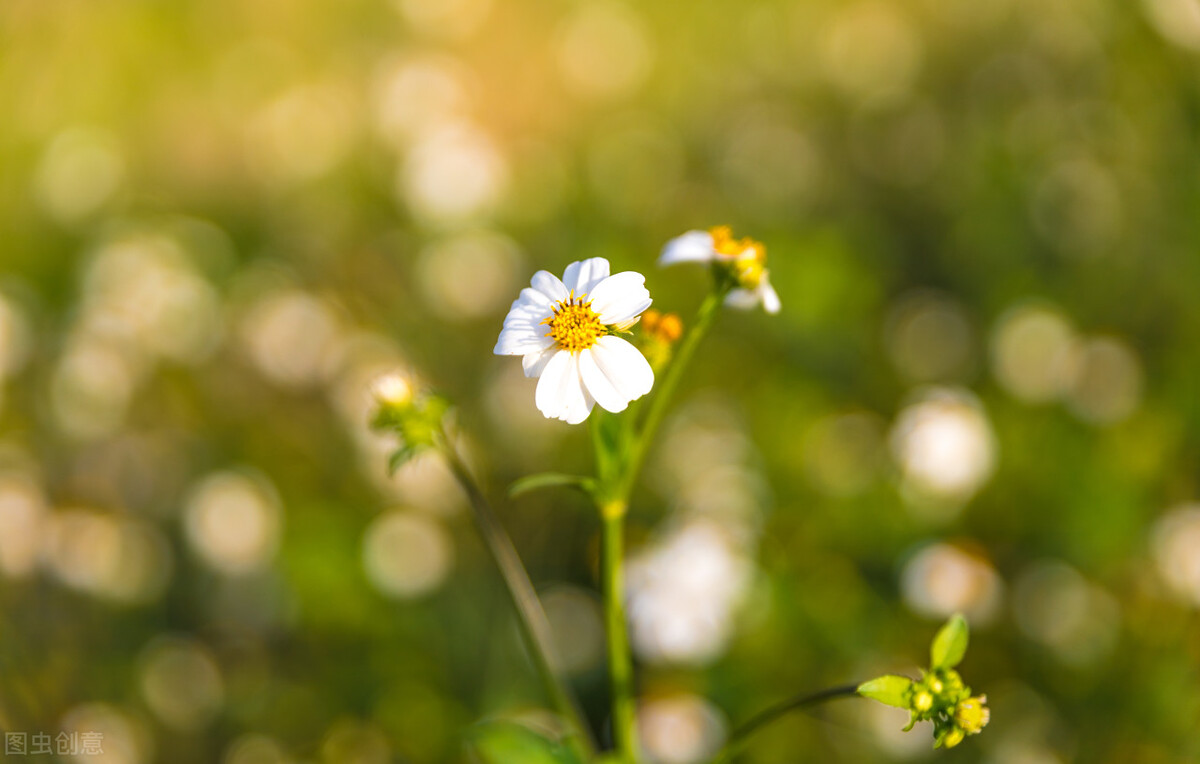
(574, 325)
(749, 256)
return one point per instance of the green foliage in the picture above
(888, 689)
(503, 742)
(543, 480)
(950, 644)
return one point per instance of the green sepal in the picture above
(400, 456)
(550, 480)
(950, 644)
(889, 689)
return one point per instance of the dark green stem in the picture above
(620, 659)
(772, 713)
(531, 618)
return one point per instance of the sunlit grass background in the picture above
(219, 220)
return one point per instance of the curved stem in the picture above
(705, 316)
(775, 712)
(531, 618)
(620, 659)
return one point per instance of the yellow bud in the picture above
(922, 701)
(972, 715)
(952, 738)
(392, 390)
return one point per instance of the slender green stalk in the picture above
(770, 714)
(531, 619)
(705, 316)
(620, 660)
(616, 474)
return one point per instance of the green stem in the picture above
(705, 316)
(770, 714)
(615, 478)
(620, 659)
(531, 618)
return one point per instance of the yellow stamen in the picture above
(574, 325)
(749, 256)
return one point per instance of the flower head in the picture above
(740, 261)
(566, 332)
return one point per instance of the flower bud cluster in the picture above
(941, 697)
(413, 415)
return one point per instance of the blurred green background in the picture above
(220, 220)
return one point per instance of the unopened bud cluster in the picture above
(941, 697)
(413, 415)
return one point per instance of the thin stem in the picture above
(620, 660)
(770, 714)
(531, 618)
(705, 316)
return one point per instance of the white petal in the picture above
(531, 300)
(768, 296)
(620, 298)
(535, 363)
(624, 366)
(520, 339)
(583, 276)
(598, 384)
(549, 285)
(742, 299)
(560, 393)
(691, 247)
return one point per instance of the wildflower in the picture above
(566, 332)
(740, 262)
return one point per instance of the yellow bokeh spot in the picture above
(574, 325)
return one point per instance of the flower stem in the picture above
(616, 474)
(531, 618)
(770, 714)
(705, 316)
(620, 660)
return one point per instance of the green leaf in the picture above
(401, 455)
(889, 689)
(549, 480)
(950, 644)
(505, 742)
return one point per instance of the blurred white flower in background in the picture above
(682, 591)
(1056, 606)
(23, 518)
(565, 332)
(1175, 541)
(944, 446)
(680, 729)
(942, 579)
(406, 554)
(81, 169)
(233, 521)
(181, 683)
(604, 50)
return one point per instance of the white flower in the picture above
(564, 331)
(744, 260)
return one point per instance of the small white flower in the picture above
(745, 260)
(564, 331)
